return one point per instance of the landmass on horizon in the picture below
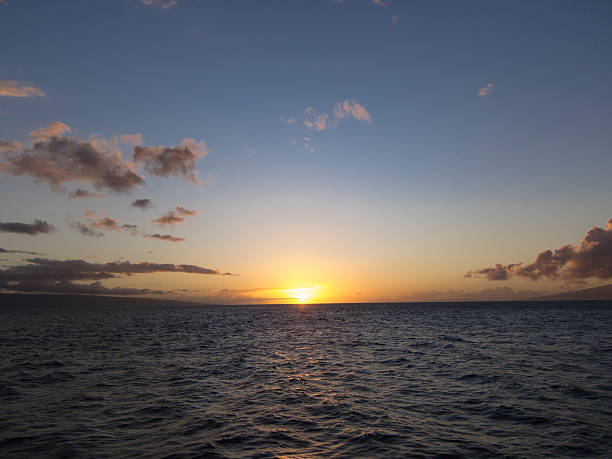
(603, 293)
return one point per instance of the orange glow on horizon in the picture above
(303, 295)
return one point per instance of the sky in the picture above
(236, 151)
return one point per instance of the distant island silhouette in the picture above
(603, 293)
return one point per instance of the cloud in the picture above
(174, 216)
(10, 147)
(79, 193)
(106, 223)
(133, 139)
(96, 223)
(25, 252)
(164, 237)
(55, 129)
(85, 230)
(394, 20)
(17, 89)
(592, 258)
(342, 110)
(57, 160)
(161, 4)
(287, 120)
(31, 229)
(66, 276)
(172, 161)
(350, 108)
(486, 90)
(379, 2)
(318, 123)
(142, 204)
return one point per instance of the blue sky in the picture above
(440, 171)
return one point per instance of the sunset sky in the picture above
(305, 151)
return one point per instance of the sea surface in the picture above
(371, 380)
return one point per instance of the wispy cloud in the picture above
(485, 91)
(287, 120)
(16, 89)
(394, 20)
(133, 139)
(177, 215)
(80, 193)
(75, 276)
(95, 224)
(164, 237)
(379, 2)
(24, 252)
(85, 230)
(31, 229)
(341, 111)
(591, 259)
(161, 4)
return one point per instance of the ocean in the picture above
(359, 380)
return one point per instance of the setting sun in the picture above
(304, 294)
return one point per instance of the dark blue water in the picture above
(471, 380)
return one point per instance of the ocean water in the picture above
(414, 380)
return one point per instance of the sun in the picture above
(304, 294)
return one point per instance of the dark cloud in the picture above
(57, 160)
(97, 223)
(592, 258)
(32, 229)
(25, 252)
(106, 223)
(67, 276)
(79, 193)
(10, 147)
(142, 204)
(85, 230)
(497, 272)
(164, 237)
(174, 216)
(172, 161)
